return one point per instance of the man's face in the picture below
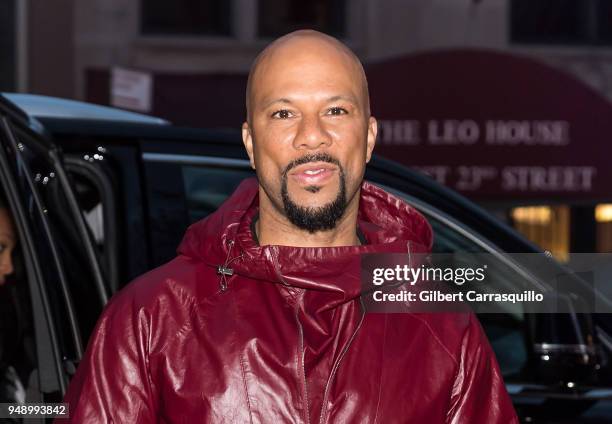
(310, 135)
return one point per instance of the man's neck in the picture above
(273, 228)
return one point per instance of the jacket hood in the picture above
(224, 238)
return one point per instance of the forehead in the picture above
(305, 68)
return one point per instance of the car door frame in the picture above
(48, 352)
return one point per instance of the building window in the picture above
(573, 22)
(7, 46)
(546, 226)
(278, 17)
(603, 217)
(186, 17)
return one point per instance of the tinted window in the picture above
(180, 193)
(66, 240)
(207, 187)
(506, 331)
(190, 17)
(7, 46)
(95, 194)
(561, 21)
(278, 17)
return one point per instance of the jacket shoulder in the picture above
(183, 279)
(161, 301)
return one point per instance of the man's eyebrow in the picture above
(280, 100)
(347, 98)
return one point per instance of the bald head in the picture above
(309, 136)
(309, 46)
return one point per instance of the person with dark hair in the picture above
(11, 388)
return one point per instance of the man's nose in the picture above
(311, 134)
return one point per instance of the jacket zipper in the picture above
(302, 352)
(323, 416)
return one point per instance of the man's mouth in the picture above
(313, 173)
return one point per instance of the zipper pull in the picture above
(224, 272)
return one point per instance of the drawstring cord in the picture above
(224, 270)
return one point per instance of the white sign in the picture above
(131, 89)
(569, 179)
(453, 132)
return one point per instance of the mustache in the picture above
(311, 157)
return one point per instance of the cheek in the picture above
(355, 159)
(354, 170)
(268, 167)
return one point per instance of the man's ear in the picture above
(371, 139)
(247, 139)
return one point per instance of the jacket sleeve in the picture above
(478, 394)
(112, 383)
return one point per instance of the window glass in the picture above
(95, 194)
(65, 238)
(548, 21)
(8, 60)
(278, 17)
(186, 17)
(506, 331)
(207, 187)
(546, 226)
(90, 201)
(572, 22)
(603, 217)
(179, 194)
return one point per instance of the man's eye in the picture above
(337, 111)
(281, 114)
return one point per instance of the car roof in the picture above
(40, 106)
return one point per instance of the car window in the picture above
(68, 244)
(95, 194)
(182, 189)
(206, 187)
(506, 330)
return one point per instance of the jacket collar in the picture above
(225, 238)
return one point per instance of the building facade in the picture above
(68, 48)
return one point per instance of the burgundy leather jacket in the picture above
(278, 335)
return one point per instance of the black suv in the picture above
(101, 195)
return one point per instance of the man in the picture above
(259, 318)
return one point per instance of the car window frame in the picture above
(20, 138)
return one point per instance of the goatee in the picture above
(318, 218)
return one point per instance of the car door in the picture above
(186, 182)
(65, 290)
